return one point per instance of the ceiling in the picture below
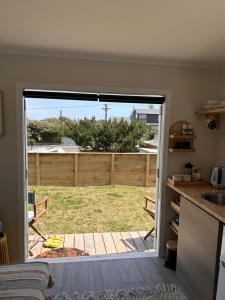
(148, 31)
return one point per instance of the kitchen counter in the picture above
(193, 193)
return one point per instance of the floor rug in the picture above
(62, 252)
(158, 292)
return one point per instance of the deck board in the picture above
(149, 242)
(138, 242)
(119, 243)
(68, 241)
(103, 243)
(89, 243)
(109, 243)
(79, 241)
(128, 242)
(99, 244)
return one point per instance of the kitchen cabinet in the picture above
(198, 249)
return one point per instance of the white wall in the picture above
(189, 87)
(220, 134)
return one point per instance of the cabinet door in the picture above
(221, 286)
(197, 249)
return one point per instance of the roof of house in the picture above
(147, 111)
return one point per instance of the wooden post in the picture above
(112, 169)
(38, 175)
(147, 177)
(76, 169)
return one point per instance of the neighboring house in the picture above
(149, 115)
(67, 141)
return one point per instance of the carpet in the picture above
(62, 252)
(158, 292)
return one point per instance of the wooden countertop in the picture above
(193, 193)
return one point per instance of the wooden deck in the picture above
(103, 243)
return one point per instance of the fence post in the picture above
(38, 175)
(147, 177)
(76, 169)
(112, 169)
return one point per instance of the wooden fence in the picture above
(86, 169)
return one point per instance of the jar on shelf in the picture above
(189, 129)
(184, 129)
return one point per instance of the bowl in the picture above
(212, 102)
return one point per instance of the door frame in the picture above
(22, 160)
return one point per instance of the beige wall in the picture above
(189, 87)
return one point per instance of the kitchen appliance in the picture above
(188, 168)
(221, 280)
(218, 177)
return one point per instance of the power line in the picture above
(106, 108)
(61, 125)
(66, 107)
(96, 104)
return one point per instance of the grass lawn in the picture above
(94, 209)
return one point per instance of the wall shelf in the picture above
(174, 227)
(175, 206)
(182, 137)
(181, 150)
(179, 139)
(211, 111)
(212, 116)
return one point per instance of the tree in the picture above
(83, 133)
(91, 134)
(44, 131)
(130, 134)
(104, 135)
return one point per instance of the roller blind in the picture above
(60, 95)
(101, 97)
(125, 98)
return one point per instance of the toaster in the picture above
(218, 177)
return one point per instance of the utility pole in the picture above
(106, 108)
(61, 125)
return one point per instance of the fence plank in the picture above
(113, 169)
(38, 177)
(147, 177)
(76, 174)
(86, 169)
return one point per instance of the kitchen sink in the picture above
(214, 197)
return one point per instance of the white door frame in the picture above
(21, 155)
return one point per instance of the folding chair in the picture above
(151, 213)
(35, 214)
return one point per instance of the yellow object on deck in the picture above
(4, 254)
(53, 241)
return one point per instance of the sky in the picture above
(39, 109)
